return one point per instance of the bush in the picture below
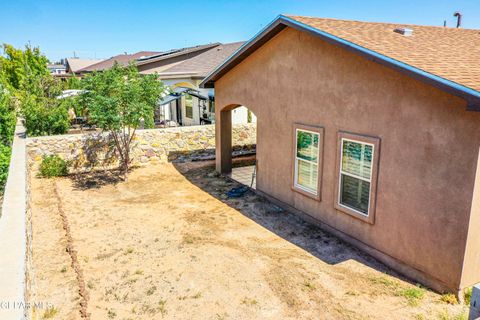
(4, 162)
(45, 117)
(53, 166)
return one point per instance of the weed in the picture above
(249, 302)
(50, 313)
(151, 290)
(447, 316)
(221, 316)
(188, 239)
(129, 250)
(90, 285)
(111, 314)
(138, 272)
(413, 295)
(308, 285)
(352, 293)
(63, 270)
(162, 307)
(449, 298)
(467, 295)
(197, 295)
(386, 282)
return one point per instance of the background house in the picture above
(57, 69)
(182, 70)
(121, 59)
(371, 130)
(74, 65)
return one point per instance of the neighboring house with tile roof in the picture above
(121, 59)
(370, 129)
(182, 70)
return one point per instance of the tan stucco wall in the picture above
(428, 148)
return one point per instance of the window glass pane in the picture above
(355, 193)
(307, 175)
(357, 158)
(307, 145)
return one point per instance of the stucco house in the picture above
(371, 130)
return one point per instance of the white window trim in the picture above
(295, 182)
(355, 176)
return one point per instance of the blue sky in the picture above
(100, 29)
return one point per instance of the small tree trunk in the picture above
(126, 162)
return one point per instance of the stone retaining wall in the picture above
(96, 150)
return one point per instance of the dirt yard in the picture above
(168, 244)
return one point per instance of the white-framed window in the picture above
(356, 173)
(307, 160)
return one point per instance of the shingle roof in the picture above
(446, 58)
(204, 63)
(451, 53)
(175, 52)
(121, 59)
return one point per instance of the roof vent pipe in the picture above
(404, 31)
(458, 15)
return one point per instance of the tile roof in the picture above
(450, 53)
(202, 64)
(122, 59)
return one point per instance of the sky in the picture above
(101, 29)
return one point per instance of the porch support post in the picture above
(223, 142)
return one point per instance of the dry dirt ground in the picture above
(168, 244)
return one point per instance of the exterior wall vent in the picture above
(404, 31)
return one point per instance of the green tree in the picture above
(19, 65)
(118, 100)
(34, 90)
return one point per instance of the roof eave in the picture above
(471, 96)
(141, 62)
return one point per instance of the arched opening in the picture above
(236, 143)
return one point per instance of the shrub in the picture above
(45, 117)
(53, 166)
(4, 162)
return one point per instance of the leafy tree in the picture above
(19, 65)
(34, 89)
(44, 116)
(118, 100)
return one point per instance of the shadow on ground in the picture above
(96, 179)
(284, 224)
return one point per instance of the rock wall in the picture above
(96, 150)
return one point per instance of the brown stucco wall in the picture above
(428, 148)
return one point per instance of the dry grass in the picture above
(168, 244)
